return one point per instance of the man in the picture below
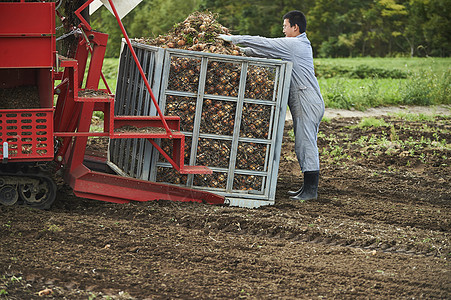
(305, 101)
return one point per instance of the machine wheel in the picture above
(40, 194)
(8, 195)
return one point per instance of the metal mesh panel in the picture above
(184, 74)
(28, 134)
(223, 78)
(232, 112)
(213, 152)
(169, 175)
(132, 97)
(252, 156)
(185, 108)
(133, 157)
(218, 117)
(248, 182)
(217, 180)
(256, 121)
(261, 83)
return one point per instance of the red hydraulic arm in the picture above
(135, 58)
(73, 114)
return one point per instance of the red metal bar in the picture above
(112, 188)
(141, 71)
(97, 55)
(147, 121)
(67, 110)
(88, 27)
(106, 83)
(99, 41)
(78, 14)
(91, 50)
(165, 155)
(82, 134)
(177, 160)
(69, 104)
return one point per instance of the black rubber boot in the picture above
(310, 188)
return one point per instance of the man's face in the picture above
(288, 30)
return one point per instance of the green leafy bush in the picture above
(427, 88)
(364, 71)
(360, 71)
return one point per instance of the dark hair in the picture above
(296, 17)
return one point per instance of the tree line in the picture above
(336, 28)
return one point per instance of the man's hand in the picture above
(227, 38)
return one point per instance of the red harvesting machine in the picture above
(39, 137)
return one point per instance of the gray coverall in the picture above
(305, 101)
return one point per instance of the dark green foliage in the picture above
(364, 71)
(336, 28)
(361, 72)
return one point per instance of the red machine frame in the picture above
(75, 105)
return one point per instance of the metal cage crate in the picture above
(232, 112)
(131, 157)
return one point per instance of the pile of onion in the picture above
(199, 32)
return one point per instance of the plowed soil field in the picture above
(380, 229)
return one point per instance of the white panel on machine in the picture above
(123, 7)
